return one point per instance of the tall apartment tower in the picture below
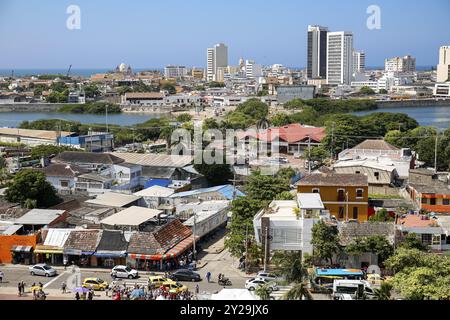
(400, 64)
(217, 58)
(317, 52)
(339, 57)
(359, 61)
(443, 68)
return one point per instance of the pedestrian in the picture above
(63, 287)
(197, 289)
(208, 277)
(19, 288)
(77, 296)
(1, 276)
(90, 295)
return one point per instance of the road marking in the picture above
(49, 283)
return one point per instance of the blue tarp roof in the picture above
(339, 272)
(157, 182)
(226, 190)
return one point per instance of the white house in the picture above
(290, 223)
(154, 196)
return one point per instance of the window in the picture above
(355, 213)
(436, 240)
(377, 175)
(427, 239)
(341, 213)
(424, 200)
(359, 193)
(433, 201)
(341, 195)
(64, 183)
(315, 190)
(446, 202)
(358, 172)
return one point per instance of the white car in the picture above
(254, 283)
(42, 270)
(267, 276)
(124, 272)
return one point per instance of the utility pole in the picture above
(266, 257)
(246, 248)
(193, 234)
(309, 154)
(436, 154)
(346, 198)
(332, 141)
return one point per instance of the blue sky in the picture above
(152, 33)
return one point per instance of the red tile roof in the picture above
(417, 221)
(292, 133)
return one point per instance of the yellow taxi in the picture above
(175, 287)
(95, 284)
(158, 281)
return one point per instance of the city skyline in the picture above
(134, 34)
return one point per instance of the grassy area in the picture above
(382, 196)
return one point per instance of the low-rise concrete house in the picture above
(37, 219)
(429, 191)
(155, 196)
(63, 177)
(382, 174)
(379, 151)
(87, 160)
(288, 224)
(433, 231)
(80, 247)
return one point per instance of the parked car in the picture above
(186, 275)
(268, 276)
(254, 283)
(42, 270)
(124, 272)
(95, 284)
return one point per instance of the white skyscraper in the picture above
(252, 70)
(339, 57)
(359, 61)
(400, 64)
(217, 57)
(443, 68)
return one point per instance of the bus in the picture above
(324, 278)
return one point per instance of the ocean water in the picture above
(77, 72)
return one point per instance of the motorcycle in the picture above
(225, 282)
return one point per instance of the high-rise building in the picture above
(339, 57)
(359, 61)
(400, 64)
(252, 70)
(443, 68)
(317, 52)
(217, 57)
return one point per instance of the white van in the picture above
(350, 287)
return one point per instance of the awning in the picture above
(182, 247)
(155, 257)
(110, 254)
(48, 250)
(24, 249)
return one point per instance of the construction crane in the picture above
(68, 71)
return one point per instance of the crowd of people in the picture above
(150, 292)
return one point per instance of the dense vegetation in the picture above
(91, 108)
(246, 115)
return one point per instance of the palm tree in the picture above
(263, 292)
(384, 292)
(263, 124)
(298, 292)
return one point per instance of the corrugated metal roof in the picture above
(39, 217)
(113, 199)
(155, 160)
(133, 216)
(227, 191)
(155, 191)
(310, 201)
(57, 237)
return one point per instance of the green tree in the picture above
(366, 91)
(91, 91)
(289, 266)
(298, 292)
(169, 88)
(381, 216)
(216, 174)
(411, 241)
(325, 239)
(263, 292)
(124, 89)
(243, 211)
(31, 185)
(263, 187)
(280, 120)
(377, 245)
(215, 84)
(185, 117)
(384, 292)
(49, 150)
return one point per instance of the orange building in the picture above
(17, 245)
(346, 196)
